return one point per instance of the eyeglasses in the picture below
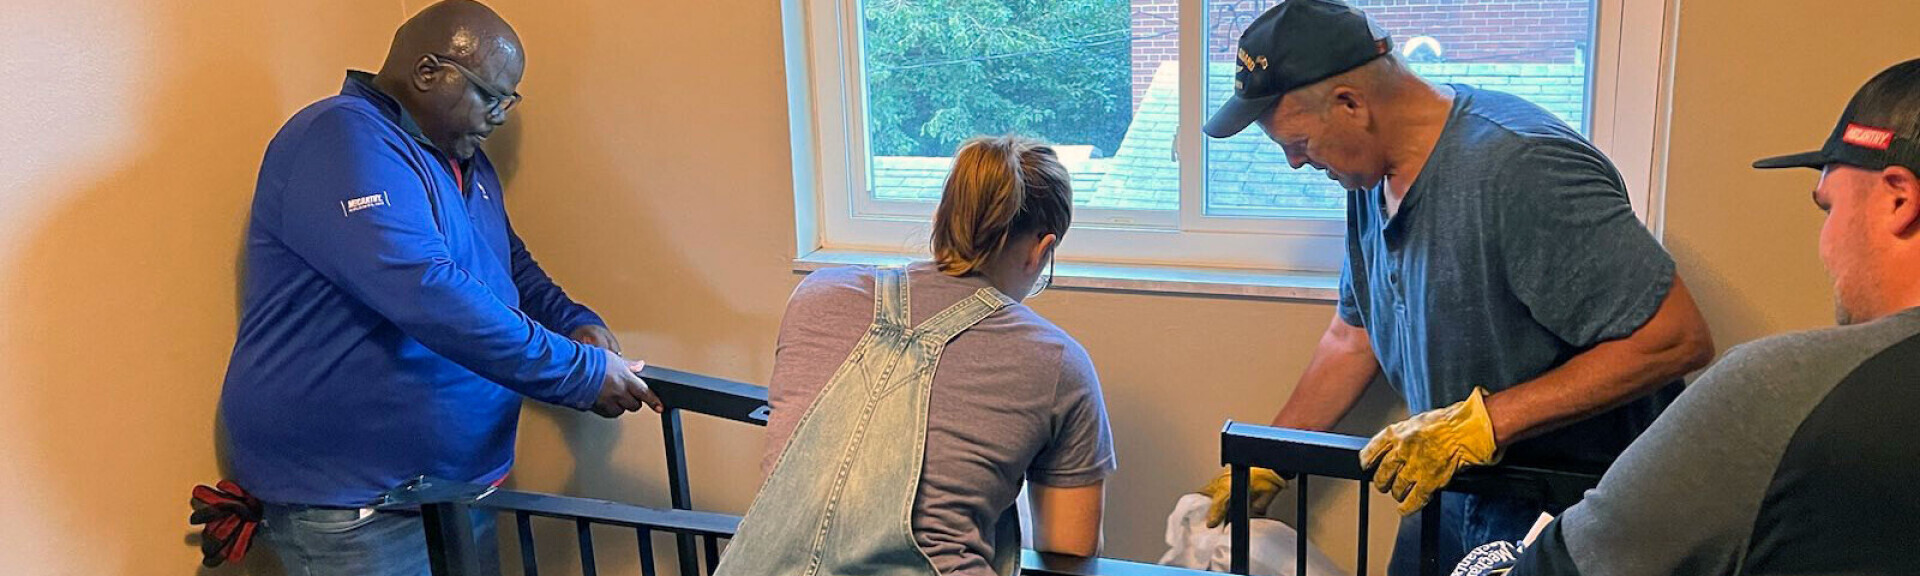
(498, 101)
(1046, 278)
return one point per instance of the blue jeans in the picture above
(338, 542)
(1466, 522)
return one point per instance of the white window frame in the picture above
(1630, 78)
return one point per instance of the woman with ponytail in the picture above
(911, 404)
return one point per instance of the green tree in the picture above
(942, 71)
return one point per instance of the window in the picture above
(887, 89)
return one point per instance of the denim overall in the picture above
(840, 498)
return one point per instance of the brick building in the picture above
(1484, 31)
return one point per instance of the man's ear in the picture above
(1345, 100)
(1038, 257)
(426, 71)
(1903, 189)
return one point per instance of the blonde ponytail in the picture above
(999, 187)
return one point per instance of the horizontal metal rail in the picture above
(1303, 454)
(446, 508)
(717, 397)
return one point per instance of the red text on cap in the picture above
(1867, 136)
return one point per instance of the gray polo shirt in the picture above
(1014, 398)
(1515, 250)
(1793, 455)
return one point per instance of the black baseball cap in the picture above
(1292, 45)
(1880, 128)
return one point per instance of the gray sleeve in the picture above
(1574, 252)
(823, 322)
(1081, 450)
(1682, 499)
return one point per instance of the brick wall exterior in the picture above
(1156, 39)
(1529, 31)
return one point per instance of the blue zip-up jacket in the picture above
(391, 321)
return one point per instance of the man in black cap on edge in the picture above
(1496, 274)
(1794, 454)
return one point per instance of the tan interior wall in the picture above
(132, 134)
(1756, 79)
(649, 171)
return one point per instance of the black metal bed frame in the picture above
(1302, 454)
(445, 507)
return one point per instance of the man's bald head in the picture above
(468, 31)
(423, 72)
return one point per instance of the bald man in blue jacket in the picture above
(392, 320)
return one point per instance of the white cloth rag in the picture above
(1194, 545)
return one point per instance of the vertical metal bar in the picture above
(677, 485)
(585, 529)
(646, 552)
(1360, 565)
(1430, 538)
(1300, 538)
(1237, 520)
(528, 567)
(450, 549)
(713, 554)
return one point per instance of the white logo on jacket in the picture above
(348, 207)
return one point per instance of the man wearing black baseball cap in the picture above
(1495, 273)
(1794, 454)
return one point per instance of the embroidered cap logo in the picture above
(1867, 137)
(1248, 63)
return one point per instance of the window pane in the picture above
(1094, 77)
(1534, 49)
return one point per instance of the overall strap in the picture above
(891, 301)
(963, 315)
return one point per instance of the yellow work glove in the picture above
(1416, 457)
(1262, 486)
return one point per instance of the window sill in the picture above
(1184, 280)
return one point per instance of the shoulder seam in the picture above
(1753, 524)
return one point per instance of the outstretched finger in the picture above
(646, 396)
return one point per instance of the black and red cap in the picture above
(1880, 128)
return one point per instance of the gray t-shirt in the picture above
(1793, 455)
(1014, 398)
(1515, 250)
